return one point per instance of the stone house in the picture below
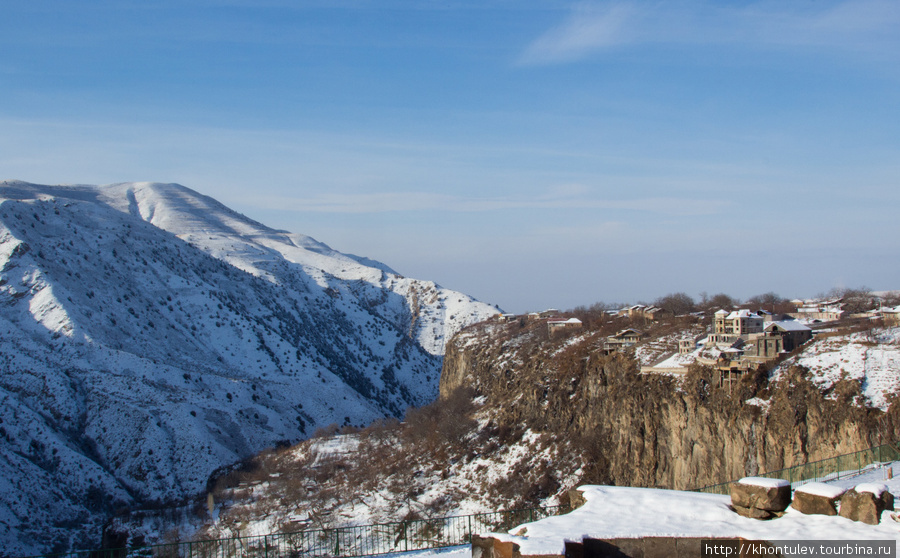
(562, 324)
(623, 339)
(777, 339)
(651, 313)
(819, 311)
(891, 316)
(729, 326)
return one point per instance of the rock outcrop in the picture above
(654, 430)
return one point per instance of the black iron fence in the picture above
(343, 542)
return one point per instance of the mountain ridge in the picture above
(150, 335)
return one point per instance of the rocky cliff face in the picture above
(653, 430)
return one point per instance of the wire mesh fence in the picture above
(339, 542)
(832, 468)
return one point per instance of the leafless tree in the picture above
(677, 303)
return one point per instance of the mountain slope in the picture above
(149, 335)
(526, 415)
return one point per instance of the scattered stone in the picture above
(865, 503)
(879, 491)
(773, 495)
(817, 498)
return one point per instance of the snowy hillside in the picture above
(871, 358)
(149, 335)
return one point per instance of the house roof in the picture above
(787, 325)
(573, 321)
(629, 331)
(743, 313)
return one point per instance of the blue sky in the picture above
(529, 153)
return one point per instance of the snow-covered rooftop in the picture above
(563, 321)
(743, 313)
(787, 325)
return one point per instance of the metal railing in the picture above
(343, 542)
(832, 468)
(424, 534)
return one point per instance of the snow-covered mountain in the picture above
(149, 335)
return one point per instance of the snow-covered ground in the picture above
(624, 512)
(873, 358)
(621, 512)
(876, 473)
(665, 349)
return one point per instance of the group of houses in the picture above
(833, 310)
(738, 341)
(743, 340)
(551, 316)
(642, 311)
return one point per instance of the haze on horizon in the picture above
(530, 154)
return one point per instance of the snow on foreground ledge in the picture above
(824, 490)
(625, 512)
(764, 482)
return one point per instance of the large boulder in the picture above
(865, 502)
(757, 493)
(817, 498)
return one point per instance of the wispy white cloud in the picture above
(588, 28)
(591, 27)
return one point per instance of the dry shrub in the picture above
(326, 431)
(442, 424)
